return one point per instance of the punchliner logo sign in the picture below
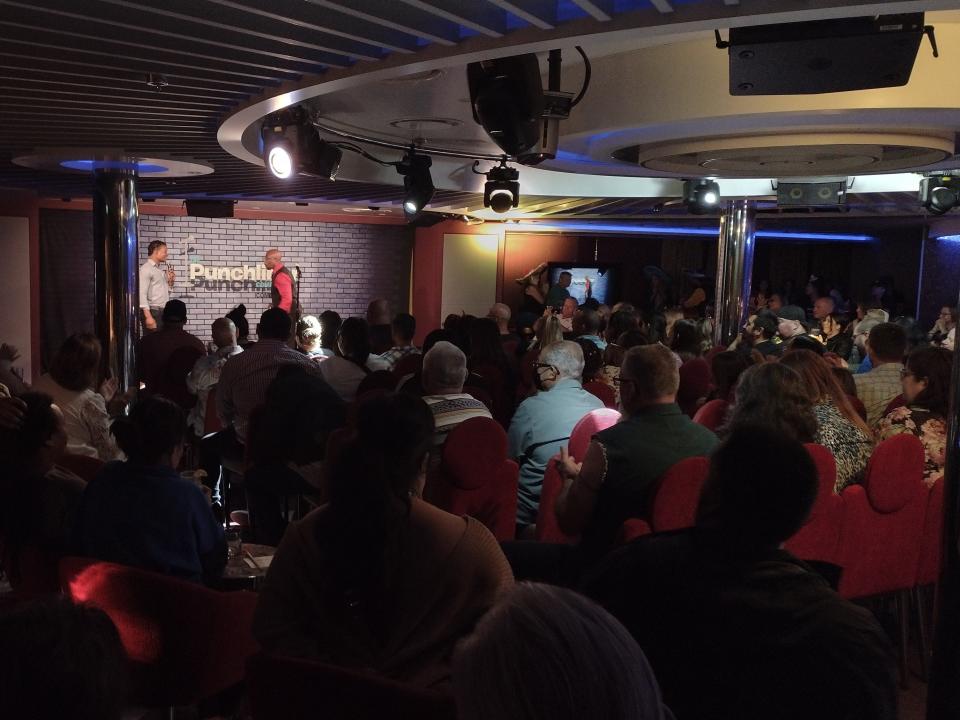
(228, 278)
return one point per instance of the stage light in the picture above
(291, 146)
(701, 196)
(417, 183)
(502, 189)
(939, 194)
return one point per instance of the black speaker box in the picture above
(823, 194)
(210, 208)
(824, 56)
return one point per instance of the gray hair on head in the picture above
(566, 356)
(444, 369)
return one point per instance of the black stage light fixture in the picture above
(939, 194)
(502, 189)
(291, 146)
(417, 183)
(507, 99)
(701, 196)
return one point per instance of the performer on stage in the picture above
(156, 279)
(284, 291)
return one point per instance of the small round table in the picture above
(248, 570)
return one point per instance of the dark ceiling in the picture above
(75, 74)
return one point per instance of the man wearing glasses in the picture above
(543, 423)
(623, 463)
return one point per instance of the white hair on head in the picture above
(444, 368)
(566, 356)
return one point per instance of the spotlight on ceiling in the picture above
(701, 196)
(502, 189)
(939, 194)
(291, 146)
(417, 183)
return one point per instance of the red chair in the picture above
(83, 466)
(184, 642)
(548, 529)
(928, 572)
(819, 538)
(172, 383)
(296, 689)
(377, 380)
(408, 365)
(602, 391)
(882, 529)
(695, 381)
(675, 501)
(712, 414)
(475, 477)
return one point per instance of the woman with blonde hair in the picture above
(839, 427)
(547, 653)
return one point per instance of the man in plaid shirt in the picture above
(403, 328)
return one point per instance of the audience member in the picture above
(617, 477)
(330, 323)
(775, 303)
(926, 393)
(835, 334)
(558, 292)
(38, 500)
(823, 307)
(567, 312)
(491, 368)
(165, 357)
(543, 422)
(805, 342)
(726, 368)
(687, 340)
(613, 358)
(378, 579)
(141, 512)
(310, 338)
(586, 325)
(546, 653)
(886, 345)
(206, 371)
(869, 315)
(244, 378)
(345, 371)
(403, 328)
(762, 331)
(734, 626)
(840, 428)
(73, 375)
(592, 359)
(772, 395)
(13, 382)
(239, 317)
(500, 314)
(380, 335)
(791, 322)
(443, 374)
(944, 330)
(59, 660)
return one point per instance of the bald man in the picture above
(500, 314)
(283, 292)
(206, 371)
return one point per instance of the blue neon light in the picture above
(688, 231)
(949, 238)
(112, 165)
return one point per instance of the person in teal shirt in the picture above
(558, 293)
(543, 423)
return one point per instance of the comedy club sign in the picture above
(229, 278)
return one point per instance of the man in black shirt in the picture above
(734, 626)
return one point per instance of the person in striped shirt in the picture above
(444, 371)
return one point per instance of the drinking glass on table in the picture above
(234, 543)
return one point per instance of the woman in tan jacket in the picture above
(378, 579)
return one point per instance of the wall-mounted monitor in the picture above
(596, 281)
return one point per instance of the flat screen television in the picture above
(596, 281)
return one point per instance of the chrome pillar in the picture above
(115, 254)
(734, 270)
(943, 697)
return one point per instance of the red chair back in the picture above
(408, 365)
(819, 538)
(882, 522)
(548, 529)
(377, 380)
(931, 541)
(184, 641)
(678, 494)
(83, 466)
(695, 380)
(475, 477)
(211, 421)
(602, 391)
(712, 414)
(172, 383)
(295, 689)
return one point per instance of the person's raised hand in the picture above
(567, 466)
(108, 388)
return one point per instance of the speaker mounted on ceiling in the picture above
(831, 194)
(210, 208)
(825, 56)
(507, 99)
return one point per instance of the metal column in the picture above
(734, 270)
(115, 252)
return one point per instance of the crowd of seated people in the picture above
(377, 579)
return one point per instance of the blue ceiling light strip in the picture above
(949, 238)
(680, 230)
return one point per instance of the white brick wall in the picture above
(344, 265)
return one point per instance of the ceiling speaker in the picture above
(210, 208)
(822, 194)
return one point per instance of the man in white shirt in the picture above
(155, 284)
(206, 371)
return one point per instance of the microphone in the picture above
(299, 273)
